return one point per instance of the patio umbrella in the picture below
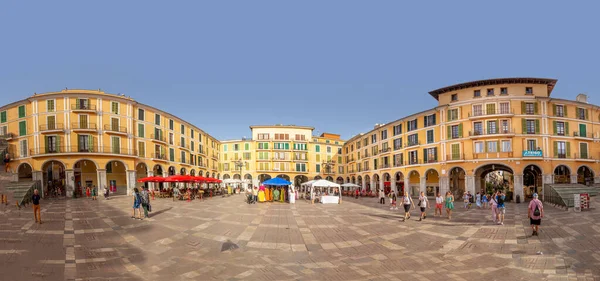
(151, 179)
(200, 179)
(277, 182)
(178, 178)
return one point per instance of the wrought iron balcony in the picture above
(82, 107)
(484, 133)
(409, 144)
(159, 138)
(88, 149)
(579, 134)
(455, 157)
(115, 129)
(52, 127)
(495, 113)
(84, 126)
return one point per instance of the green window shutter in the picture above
(46, 142)
(565, 111)
(424, 155)
(91, 143)
(524, 125)
(287, 146)
(555, 149)
(22, 128)
(587, 116)
(485, 147)
(555, 127)
(554, 109)
(460, 130)
(566, 128)
(21, 111)
(3, 117)
(141, 130)
(568, 145)
(449, 129)
(58, 144)
(537, 126)
(435, 156)
(498, 146)
(583, 130)
(171, 155)
(523, 107)
(535, 108)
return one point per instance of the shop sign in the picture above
(532, 153)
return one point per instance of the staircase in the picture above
(563, 194)
(17, 192)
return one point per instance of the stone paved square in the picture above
(356, 240)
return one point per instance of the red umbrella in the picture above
(200, 179)
(152, 179)
(178, 178)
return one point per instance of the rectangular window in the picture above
(116, 145)
(477, 110)
(51, 122)
(171, 124)
(529, 90)
(263, 136)
(141, 130)
(561, 149)
(559, 110)
(141, 149)
(3, 117)
(23, 148)
(52, 144)
(411, 125)
(157, 119)
(236, 147)
(246, 146)
(317, 148)
(191, 133)
(560, 128)
(141, 114)
(455, 148)
(490, 109)
(171, 139)
(453, 114)
(413, 140)
(373, 138)
(531, 145)
(413, 157)
(383, 134)
(455, 131)
(506, 146)
(430, 137)
(3, 130)
(182, 157)
(398, 160)
(504, 127)
(114, 124)
(397, 143)
(318, 158)
(114, 107)
(21, 111)
(477, 93)
(530, 126)
(429, 120)
(454, 97)
(329, 149)
(397, 129)
(182, 129)
(504, 108)
(529, 108)
(430, 155)
(503, 91)
(492, 127)
(263, 145)
(192, 146)
(22, 128)
(318, 168)
(582, 130)
(477, 128)
(479, 147)
(581, 113)
(490, 92)
(583, 150)
(225, 147)
(50, 106)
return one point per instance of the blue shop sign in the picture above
(532, 153)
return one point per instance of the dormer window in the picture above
(454, 97)
(529, 90)
(477, 93)
(490, 92)
(504, 91)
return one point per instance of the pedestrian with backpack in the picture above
(501, 209)
(146, 202)
(535, 213)
(137, 202)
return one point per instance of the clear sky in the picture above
(340, 66)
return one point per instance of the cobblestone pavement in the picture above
(357, 240)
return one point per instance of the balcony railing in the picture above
(280, 159)
(115, 129)
(414, 162)
(7, 136)
(159, 156)
(498, 154)
(184, 146)
(88, 149)
(582, 135)
(52, 127)
(300, 159)
(483, 113)
(384, 166)
(81, 107)
(215, 155)
(412, 143)
(398, 164)
(183, 161)
(583, 156)
(562, 156)
(563, 133)
(455, 157)
(491, 133)
(430, 161)
(351, 171)
(384, 150)
(159, 138)
(84, 126)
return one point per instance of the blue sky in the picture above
(340, 66)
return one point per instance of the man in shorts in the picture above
(501, 208)
(535, 213)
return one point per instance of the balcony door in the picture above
(51, 121)
(116, 145)
(114, 124)
(83, 121)
(85, 143)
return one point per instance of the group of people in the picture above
(141, 201)
(271, 194)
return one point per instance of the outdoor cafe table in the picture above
(328, 199)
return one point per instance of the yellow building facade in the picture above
(79, 138)
(287, 151)
(511, 125)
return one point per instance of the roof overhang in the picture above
(498, 81)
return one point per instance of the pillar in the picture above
(478, 184)
(407, 186)
(470, 184)
(444, 185)
(574, 178)
(39, 176)
(518, 187)
(364, 185)
(131, 180)
(423, 185)
(382, 184)
(102, 182)
(151, 185)
(372, 183)
(596, 179)
(393, 186)
(69, 182)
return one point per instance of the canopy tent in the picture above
(325, 189)
(351, 185)
(276, 182)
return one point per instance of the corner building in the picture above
(479, 128)
(79, 138)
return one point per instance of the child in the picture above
(439, 201)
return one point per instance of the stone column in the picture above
(39, 176)
(573, 178)
(407, 186)
(518, 187)
(444, 185)
(364, 185)
(372, 183)
(546, 179)
(597, 180)
(470, 184)
(131, 180)
(151, 185)
(102, 182)
(423, 185)
(382, 184)
(393, 186)
(69, 183)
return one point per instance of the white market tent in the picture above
(325, 185)
(351, 185)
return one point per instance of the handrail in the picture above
(83, 126)
(27, 197)
(551, 196)
(118, 129)
(51, 127)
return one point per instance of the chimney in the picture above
(582, 98)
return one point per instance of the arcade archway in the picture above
(158, 171)
(318, 177)
(116, 177)
(432, 180)
(492, 177)
(399, 178)
(299, 180)
(141, 171)
(283, 176)
(54, 178)
(585, 176)
(532, 180)
(457, 177)
(368, 183)
(85, 173)
(25, 172)
(562, 174)
(376, 182)
(263, 177)
(329, 178)
(414, 178)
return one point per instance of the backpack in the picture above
(536, 212)
(500, 201)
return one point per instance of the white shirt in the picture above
(423, 200)
(406, 200)
(439, 200)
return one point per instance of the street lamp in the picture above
(240, 164)
(327, 165)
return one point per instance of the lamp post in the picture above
(327, 165)
(240, 164)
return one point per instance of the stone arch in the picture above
(213, 174)
(218, 176)
(359, 181)
(158, 170)
(457, 181)
(541, 170)
(432, 182)
(299, 180)
(353, 180)
(171, 171)
(183, 171)
(225, 176)
(585, 175)
(284, 176)
(141, 171)
(532, 179)
(377, 181)
(263, 177)
(318, 177)
(85, 160)
(339, 180)
(347, 179)
(118, 162)
(25, 172)
(116, 176)
(562, 174)
(329, 178)
(237, 177)
(368, 182)
(487, 178)
(399, 178)
(192, 172)
(53, 177)
(85, 173)
(414, 183)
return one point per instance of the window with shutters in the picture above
(582, 131)
(114, 107)
(504, 127)
(490, 109)
(23, 150)
(114, 124)
(532, 145)
(477, 110)
(397, 129)
(328, 149)
(430, 155)
(477, 128)
(22, 128)
(530, 125)
(529, 108)
(318, 168)
(52, 145)
(246, 146)
(317, 148)
(21, 111)
(492, 146)
(171, 139)
(478, 147)
(504, 108)
(183, 158)
(3, 117)
(413, 140)
(413, 157)
(561, 149)
(455, 149)
(559, 110)
(318, 158)
(560, 128)
(453, 114)
(200, 148)
(383, 134)
(506, 146)
(182, 129)
(430, 136)
(51, 122)
(373, 138)
(141, 114)
(83, 121)
(454, 97)
(581, 113)
(171, 124)
(583, 150)
(492, 127)
(192, 146)
(116, 145)
(455, 131)
(191, 133)
(365, 141)
(50, 105)
(429, 120)
(398, 160)
(397, 143)
(411, 125)
(141, 149)
(157, 119)
(3, 130)
(171, 154)
(85, 143)
(141, 130)
(182, 142)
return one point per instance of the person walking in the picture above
(106, 193)
(494, 207)
(146, 202)
(501, 209)
(424, 204)
(356, 193)
(255, 195)
(439, 202)
(449, 204)
(94, 192)
(137, 202)
(407, 202)
(6, 163)
(535, 212)
(88, 192)
(381, 197)
(35, 199)
(478, 200)
(484, 200)
(393, 201)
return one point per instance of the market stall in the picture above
(325, 191)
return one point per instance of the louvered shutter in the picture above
(567, 128)
(555, 149)
(555, 127)
(524, 125)
(554, 109)
(568, 145)
(47, 144)
(523, 107)
(537, 126)
(535, 108)
(460, 130)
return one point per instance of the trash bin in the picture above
(518, 198)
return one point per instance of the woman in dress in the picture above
(276, 193)
(484, 200)
(261, 194)
(449, 204)
(292, 195)
(478, 200)
(268, 194)
(282, 195)
(88, 192)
